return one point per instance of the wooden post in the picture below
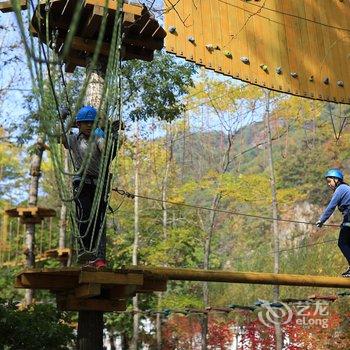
(3, 242)
(90, 330)
(35, 172)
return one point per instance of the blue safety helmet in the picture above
(336, 173)
(86, 114)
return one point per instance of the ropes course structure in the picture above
(96, 35)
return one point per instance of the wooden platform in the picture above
(141, 33)
(88, 289)
(30, 215)
(61, 254)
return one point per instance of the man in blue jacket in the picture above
(340, 199)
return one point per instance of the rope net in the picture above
(56, 95)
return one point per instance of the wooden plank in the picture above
(6, 6)
(331, 70)
(258, 45)
(290, 23)
(159, 33)
(148, 43)
(209, 59)
(137, 10)
(189, 46)
(88, 290)
(180, 29)
(30, 211)
(153, 285)
(70, 303)
(88, 45)
(93, 24)
(341, 44)
(234, 44)
(323, 90)
(41, 281)
(18, 282)
(169, 21)
(110, 278)
(282, 80)
(216, 20)
(307, 87)
(111, 5)
(225, 38)
(129, 52)
(197, 30)
(122, 292)
(148, 28)
(62, 271)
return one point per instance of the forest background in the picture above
(209, 152)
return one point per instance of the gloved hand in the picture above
(319, 223)
(64, 113)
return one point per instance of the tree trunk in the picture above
(90, 323)
(169, 157)
(207, 244)
(35, 172)
(276, 290)
(90, 330)
(3, 243)
(206, 266)
(135, 337)
(124, 341)
(112, 341)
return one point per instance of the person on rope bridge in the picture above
(340, 199)
(89, 145)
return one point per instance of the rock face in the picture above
(294, 233)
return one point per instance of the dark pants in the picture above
(93, 229)
(344, 242)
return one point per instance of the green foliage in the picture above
(181, 301)
(153, 89)
(7, 289)
(39, 327)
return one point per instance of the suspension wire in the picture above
(131, 195)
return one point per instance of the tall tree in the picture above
(35, 173)
(274, 208)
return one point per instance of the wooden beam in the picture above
(6, 6)
(88, 290)
(122, 292)
(153, 285)
(30, 211)
(112, 4)
(148, 43)
(129, 52)
(94, 22)
(41, 281)
(137, 10)
(70, 303)
(89, 45)
(243, 277)
(111, 278)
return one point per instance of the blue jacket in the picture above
(340, 198)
